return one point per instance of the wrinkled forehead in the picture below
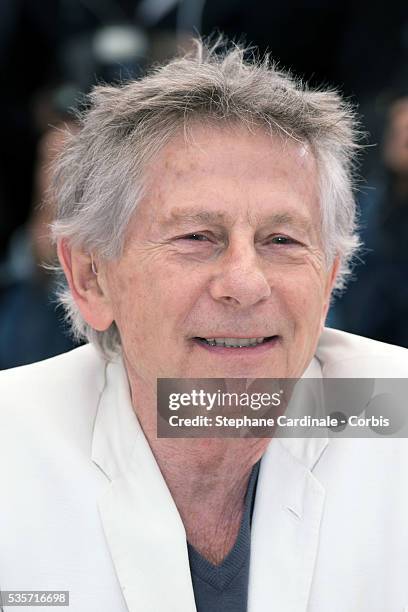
(201, 146)
(231, 162)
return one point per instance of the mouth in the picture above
(237, 345)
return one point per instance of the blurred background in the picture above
(54, 51)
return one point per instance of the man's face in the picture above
(225, 245)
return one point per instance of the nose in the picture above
(239, 280)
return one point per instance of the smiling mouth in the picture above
(236, 343)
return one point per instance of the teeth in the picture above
(234, 342)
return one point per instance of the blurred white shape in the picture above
(118, 43)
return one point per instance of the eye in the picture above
(281, 239)
(195, 237)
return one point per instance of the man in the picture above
(205, 215)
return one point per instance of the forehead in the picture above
(231, 172)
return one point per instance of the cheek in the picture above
(303, 298)
(146, 310)
(130, 298)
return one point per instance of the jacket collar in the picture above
(143, 528)
(117, 432)
(286, 522)
(145, 533)
(307, 450)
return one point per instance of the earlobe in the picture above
(333, 274)
(86, 285)
(331, 281)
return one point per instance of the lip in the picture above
(239, 352)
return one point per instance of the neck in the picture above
(207, 478)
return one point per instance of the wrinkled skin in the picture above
(225, 243)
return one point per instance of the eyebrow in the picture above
(185, 216)
(287, 218)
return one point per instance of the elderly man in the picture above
(205, 214)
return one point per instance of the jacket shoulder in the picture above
(61, 393)
(350, 356)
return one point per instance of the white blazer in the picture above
(84, 506)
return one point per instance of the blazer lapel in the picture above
(143, 529)
(286, 523)
(145, 534)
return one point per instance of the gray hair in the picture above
(98, 179)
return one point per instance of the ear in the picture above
(86, 285)
(330, 282)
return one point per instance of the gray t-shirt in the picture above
(224, 587)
